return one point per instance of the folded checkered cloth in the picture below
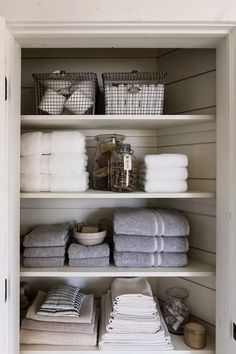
(62, 301)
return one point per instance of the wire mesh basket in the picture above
(134, 92)
(65, 93)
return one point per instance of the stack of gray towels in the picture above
(63, 316)
(89, 256)
(45, 246)
(150, 238)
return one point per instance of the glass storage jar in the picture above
(106, 143)
(176, 311)
(123, 169)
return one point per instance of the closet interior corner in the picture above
(188, 126)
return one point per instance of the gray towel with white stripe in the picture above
(62, 301)
(147, 260)
(131, 243)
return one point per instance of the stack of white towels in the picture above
(131, 318)
(53, 162)
(164, 173)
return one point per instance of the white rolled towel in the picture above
(166, 160)
(164, 174)
(56, 142)
(56, 163)
(164, 186)
(54, 182)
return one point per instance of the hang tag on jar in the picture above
(127, 162)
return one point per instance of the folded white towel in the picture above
(164, 186)
(54, 182)
(56, 142)
(125, 324)
(164, 174)
(56, 163)
(166, 160)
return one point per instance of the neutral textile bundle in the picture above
(61, 328)
(53, 162)
(45, 246)
(164, 173)
(131, 318)
(150, 238)
(89, 256)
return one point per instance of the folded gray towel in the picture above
(89, 262)
(47, 235)
(136, 221)
(44, 262)
(174, 223)
(77, 251)
(58, 251)
(147, 260)
(131, 243)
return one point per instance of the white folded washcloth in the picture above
(56, 142)
(164, 174)
(56, 163)
(54, 182)
(164, 186)
(166, 160)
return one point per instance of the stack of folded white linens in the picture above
(150, 238)
(64, 316)
(45, 246)
(164, 173)
(131, 318)
(53, 162)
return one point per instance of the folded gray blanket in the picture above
(47, 235)
(45, 262)
(146, 260)
(174, 223)
(131, 243)
(28, 336)
(63, 327)
(77, 251)
(89, 262)
(58, 251)
(136, 221)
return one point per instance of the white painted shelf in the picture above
(179, 348)
(111, 121)
(195, 268)
(94, 194)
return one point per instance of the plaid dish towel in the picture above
(62, 301)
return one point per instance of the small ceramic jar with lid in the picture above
(195, 335)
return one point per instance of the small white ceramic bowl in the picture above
(89, 239)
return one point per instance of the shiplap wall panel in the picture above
(184, 63)
(93, 53)
(191, 94)
(191, 89)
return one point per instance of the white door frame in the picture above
(187, 35)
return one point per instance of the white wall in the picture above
(122, 10)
